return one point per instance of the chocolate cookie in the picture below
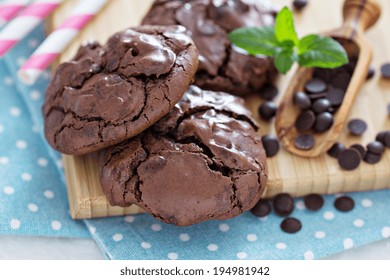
(221, 66)
(110, 93)
(202, 161)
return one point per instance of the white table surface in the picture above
(44, 248)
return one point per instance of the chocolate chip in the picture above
(283, 204)
(372, 158)
(341, 80)
(344, 203)
(376, 147)
(357, 127)
(314, 96)
(323, 122)
(335, 96)
(321, 105)
(315, 85)
(262, 208)
(384, 138)
(381, 137)
(267, 110)
(304, 141)
(335, 150)
(299, 4)
(271, 145)
(350, 66)
(349, 159)
(291, 225)
(385, 70)
(313, 202)
(305, 120)
(324, 74)
(302, 100)
(360, 149)
(269, 92)
(387, 139)
(371, 72)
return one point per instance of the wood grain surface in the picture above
(287, 173)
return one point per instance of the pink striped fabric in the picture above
(8, 11)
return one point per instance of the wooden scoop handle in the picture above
(360, 15)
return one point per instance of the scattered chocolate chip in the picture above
(357, 127)
(299, 4)
(262, 208)
(302, 100)
(372, 158)
(321, 105)
(323, 122)
(315, 85)
(344, 203)
(291, 225)
(304, 141)
(381, 137)
(376, 147)
(269, 92)
(267, 110)
(385, 70)
(335, 96)
(360, 149)
(385, 139)
(335, 150)
(371, 72)
(305, 120)
(349, 159)
(283, 204)
(271, 145)
(313, 202)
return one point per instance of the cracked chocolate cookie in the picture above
(202, 161)
(221, 66)
(110, 93)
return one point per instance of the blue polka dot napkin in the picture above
(33, 200)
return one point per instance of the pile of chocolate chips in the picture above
(283, 205)
(323, 95)
(350, 158)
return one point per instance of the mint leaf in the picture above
(283, 44)
(284, 59)
(284, 27)
(255, 40)
(320, 51)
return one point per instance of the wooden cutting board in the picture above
(287, 173)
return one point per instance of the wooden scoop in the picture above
(359, 15)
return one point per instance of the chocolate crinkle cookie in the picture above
(202, 161)
(221, 66)
(110, 93)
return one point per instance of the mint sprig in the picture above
(282, 43)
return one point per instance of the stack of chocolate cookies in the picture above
(184, 153)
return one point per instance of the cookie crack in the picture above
(215, 166)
